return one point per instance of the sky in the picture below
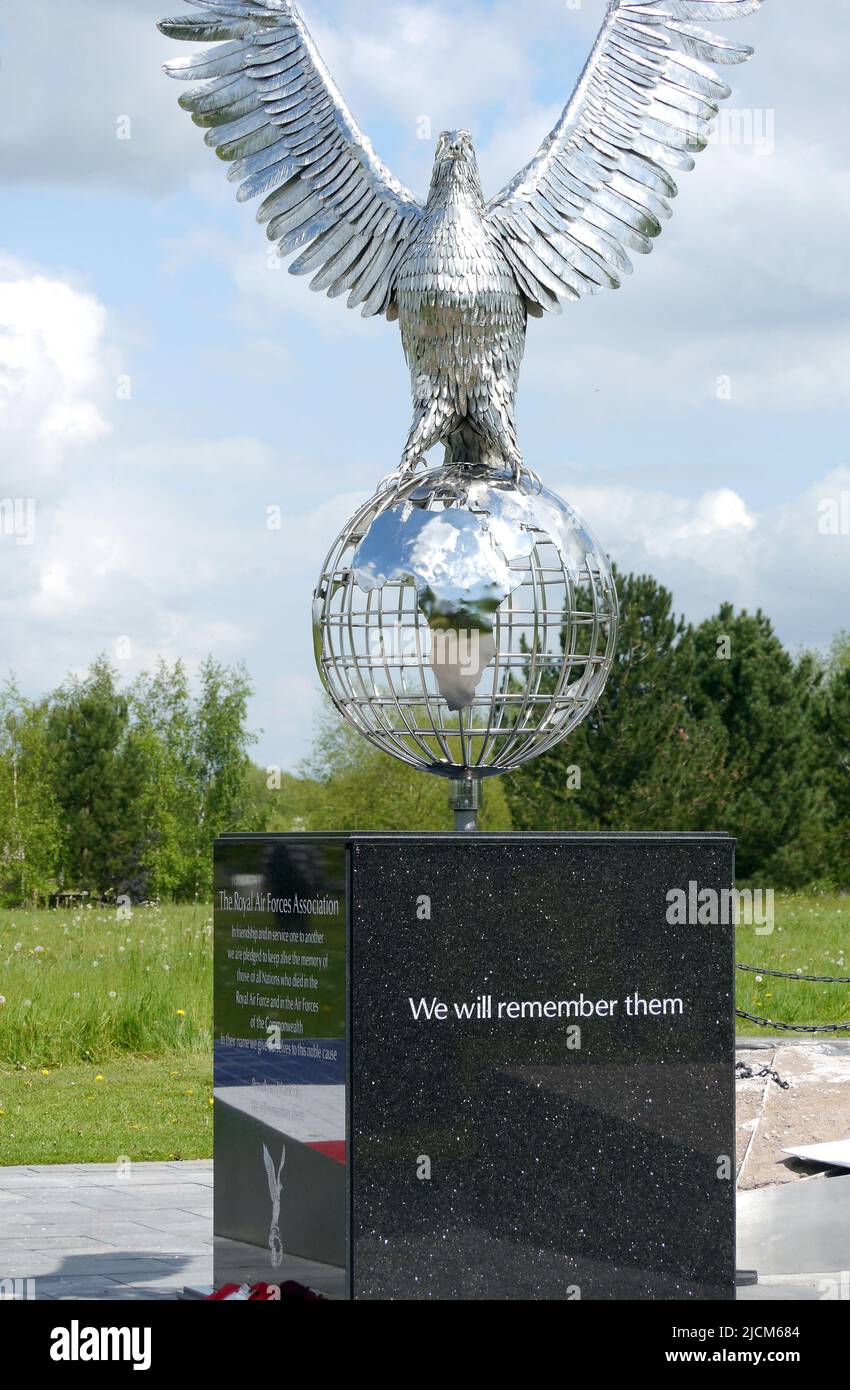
(164, 388)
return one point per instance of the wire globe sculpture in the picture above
(465, 622)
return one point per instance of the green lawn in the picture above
(82, 986)
(126, 1108)
(105, 1035)
(106, 1024)
(811, 935)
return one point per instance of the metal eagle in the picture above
(461, 275)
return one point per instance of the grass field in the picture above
(811, 936)
(86, 985)
(105, 1035)
(126, 1108)
(106, 1023)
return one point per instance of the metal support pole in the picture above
(465, 799)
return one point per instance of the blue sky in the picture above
(161, 387)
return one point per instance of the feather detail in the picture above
(642, 107)
(272, 112)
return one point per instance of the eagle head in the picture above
(456, 163)
(455, 145)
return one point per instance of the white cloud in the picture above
(714, 548)
(745, 297)
(53, 377)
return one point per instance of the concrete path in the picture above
(95, 1232)
(798, 1238)
(99, 1232)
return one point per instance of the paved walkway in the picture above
(95, 1232)
(91, 1232)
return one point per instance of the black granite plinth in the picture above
(476, 1067)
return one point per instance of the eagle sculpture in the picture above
(460, 274)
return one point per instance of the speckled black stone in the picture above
(600, 1172)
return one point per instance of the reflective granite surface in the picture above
(540, 1052)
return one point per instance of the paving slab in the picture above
(92, 1232)
(803, 1228)
(100, 1232)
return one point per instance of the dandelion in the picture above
(98, 1078)
(759, 979)
(95, 964)
(112, 994)
(27, 1003)
(181, 1013)
(44, 1071)
(77, 995)
(19, 946)
(38, 950)
(211, 1101)
(2, 1000)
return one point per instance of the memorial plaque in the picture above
(534, 1072)
(280, 1063)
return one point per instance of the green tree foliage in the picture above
(834, 727)
(30, 820)
(713, 727)
(109, 791)
(641, 760)
(767, 704)
(346, 784)
(197, 767)
(98, 778)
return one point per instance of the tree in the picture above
(349, 785)
(766, 703)
(834, 727)
(163, 714)
(30, 830)
(221, 742)
(195, 752)
(99, 772)
(640, 760)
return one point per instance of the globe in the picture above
(465, 622)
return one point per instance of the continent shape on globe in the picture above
(462, 574)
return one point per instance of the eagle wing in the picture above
(272, 111)
(600, 183)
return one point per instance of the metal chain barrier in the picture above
(789, 975)
(795, 1027)
(744, 1073)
